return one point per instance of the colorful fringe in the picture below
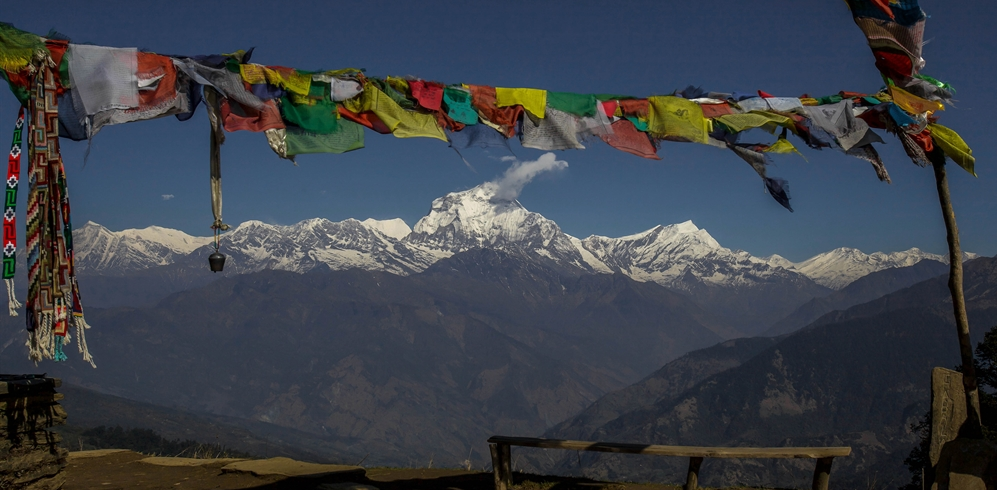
(53, 293)
(10, 216)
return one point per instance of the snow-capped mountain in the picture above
(369, 245)
(667, 254)
(102, 251)
(679, 256)
(842, 266)
(474, 218)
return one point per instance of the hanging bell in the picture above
(216, 261)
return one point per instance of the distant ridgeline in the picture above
(73, 90)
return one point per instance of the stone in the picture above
(30, 456)
(51, 483)
(948, 409)
(966, 464)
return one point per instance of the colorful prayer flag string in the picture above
(52, 288)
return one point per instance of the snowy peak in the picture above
(842, 266)
(370, 245)
(681, 255)
(101, 250)
(475, 217)
(777, 260)
(666, 254)
(394, 228)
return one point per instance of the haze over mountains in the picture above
(405, 345)
(857, 377)
(466, 220)
(750, 293)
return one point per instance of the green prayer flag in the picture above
(322, 117)
(459, 108)
(347, 137)
(394, 94)
(581, 105)
(605, 97)
(640, 124)
(829, 99)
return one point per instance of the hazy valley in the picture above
(368, 339)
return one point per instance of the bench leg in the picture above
(692, 479)
(501, 466)
(822, 473)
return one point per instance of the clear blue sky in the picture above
(640, 48)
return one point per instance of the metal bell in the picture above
(216, 261)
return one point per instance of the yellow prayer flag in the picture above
(676, 118)
(292, 80)
(532, 99)
(912, 103)
(253, 74)
(954, 147)
(756, 119)
(399, 84)
(402, 123)
(782, 145)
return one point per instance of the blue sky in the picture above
(639, 48)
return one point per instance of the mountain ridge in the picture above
(460, 221)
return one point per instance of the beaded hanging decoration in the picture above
(10, 216)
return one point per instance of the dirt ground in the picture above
(125, 470)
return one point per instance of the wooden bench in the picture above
(502, 463)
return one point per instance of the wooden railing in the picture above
(502, 462)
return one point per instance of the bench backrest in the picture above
(688, 451)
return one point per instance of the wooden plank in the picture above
(686, 451)
(692, 479)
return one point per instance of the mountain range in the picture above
(368, 339)
(750, 293)
(856, 377)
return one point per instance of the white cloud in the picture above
(511, 183)
(507, 158)
(167, 197)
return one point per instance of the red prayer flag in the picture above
(627, 138)
(429, 94)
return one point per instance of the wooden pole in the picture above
(822, 473)
(972, 428)
(497, 466)
(692, 478)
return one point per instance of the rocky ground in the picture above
(119, 469)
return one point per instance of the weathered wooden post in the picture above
(692, 479)
(822, 473)
(972, 428)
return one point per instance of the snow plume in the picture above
(511, 183)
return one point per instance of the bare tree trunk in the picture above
(972, 428)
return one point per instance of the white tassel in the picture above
(81, 339)
(12, 303)
(46, 339)
(34, 350)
